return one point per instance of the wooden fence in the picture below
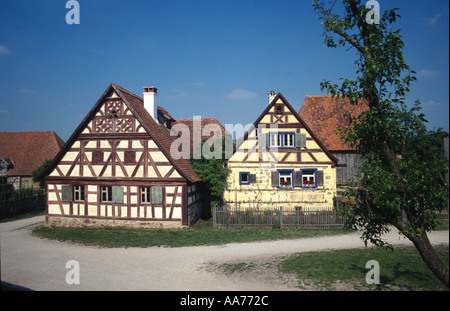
(310, 218)
(11, 208)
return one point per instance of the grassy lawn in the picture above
(202, 233)
(400, 269)
(22, 216)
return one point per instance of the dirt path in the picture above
(41, 264)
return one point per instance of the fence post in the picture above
(214, 216)
(281, 217)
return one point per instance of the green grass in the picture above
(229, 268)
(23, 216)
(402, 268)
(202, 233)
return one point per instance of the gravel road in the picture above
(40, 264)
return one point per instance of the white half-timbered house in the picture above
(116, 169)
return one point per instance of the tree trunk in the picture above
(429, 256)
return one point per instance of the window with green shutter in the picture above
(262, 140)
(157, 196)
(300, 140)
(117, 194)
(66, 193)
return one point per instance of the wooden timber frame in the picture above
(116, 169)
(280, 162)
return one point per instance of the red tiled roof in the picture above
(159, 133)
(325, 114)
(164, 112)
(203, 122)
(28, 150)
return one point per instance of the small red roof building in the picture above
(26, 151)
(325, 114)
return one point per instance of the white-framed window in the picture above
(275, 139)
(282, 139)
(309, 178)
(106, 193)
(78, 193)
(288, 140)
(146, 196)
(285, 178)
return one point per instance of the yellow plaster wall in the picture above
(261, 194)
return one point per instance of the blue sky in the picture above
(209, 58)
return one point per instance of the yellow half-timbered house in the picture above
(280, 163)
(116, 169)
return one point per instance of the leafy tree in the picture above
(212, 170)
(403, 163)
(39, 170)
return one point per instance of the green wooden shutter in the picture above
(300, 140)
(66, 193)
(157, 195)
(262, 140)
(117, 195)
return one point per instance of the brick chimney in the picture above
(150, 101)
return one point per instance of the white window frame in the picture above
(308, 175)
(106, 192)
(286, 176)
(146, 195)
(289, 140)
(275, 140)
(282, 139)
(78, 193)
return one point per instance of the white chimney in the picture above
(272, 95)
(150, 101)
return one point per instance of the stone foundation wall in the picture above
(55, 221)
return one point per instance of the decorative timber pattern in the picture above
(117, 167)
